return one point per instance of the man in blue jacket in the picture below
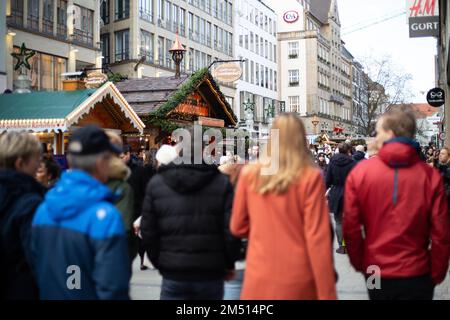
(78, 238)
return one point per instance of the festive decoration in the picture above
(160, 118)
(22, 58)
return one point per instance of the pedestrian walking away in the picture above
(80, 225)
(400, 203)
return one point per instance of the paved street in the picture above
(145, 285)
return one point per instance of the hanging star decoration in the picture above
(22, 57)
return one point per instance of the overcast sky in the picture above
(414, 55)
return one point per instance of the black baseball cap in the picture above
(90, 140)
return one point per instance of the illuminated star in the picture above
(22, 57)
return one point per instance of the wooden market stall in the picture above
(52, 116)
(165, 103)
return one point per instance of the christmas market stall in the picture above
(167, 103)
(52, 116)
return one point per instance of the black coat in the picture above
(358, 156)
(138, 180)
(338, 170)
(185, 223)
(20, 195)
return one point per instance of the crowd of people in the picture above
(225, 230)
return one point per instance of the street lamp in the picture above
(177, 52)
(315, 121)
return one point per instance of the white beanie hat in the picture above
(166, 154)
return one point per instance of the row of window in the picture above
(167, 13)
(259, 75)
(251, 41)
(257, 17)
(161, 56)
(83, 32)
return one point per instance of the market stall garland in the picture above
(160, 119)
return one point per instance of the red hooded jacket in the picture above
(395, 207)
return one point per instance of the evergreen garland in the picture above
(159, 117)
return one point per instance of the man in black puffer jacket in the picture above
(185, 228)
(340, 166)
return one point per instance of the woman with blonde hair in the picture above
(285, 217)
(20, 195)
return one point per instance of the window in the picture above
(147, 46)
(182, 22)
(257, 74)
(191, 25)
(104, 11)
(161, 51)
(293, 49)
(33, 14)
(293, 78)
(122, 9)
(252, 73)
(62, 19)
(168, 15)
(16, 18)
(45, 72)
(84, 27)
(168, 62)
(105, 48)
(208, 34)
(146, 10)
(47, 20)
(122, 45)
(275, 81)
(159, 10)
(294, 104)
(175, 18)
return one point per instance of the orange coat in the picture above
(289, 253)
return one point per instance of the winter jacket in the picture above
(338, 170)
(444, 170)
(185, 223)
(138, 180)
(290, 248)
(118, 175)
(78, 234)
(358, 156)
(20, 195)
(401, 204)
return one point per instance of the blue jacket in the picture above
(78, 242)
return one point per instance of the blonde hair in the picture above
(15, 145)
(293, 157)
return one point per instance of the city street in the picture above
(145, 285)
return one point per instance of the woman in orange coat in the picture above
(285, 217)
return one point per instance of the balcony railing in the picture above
(47, 26)
(146, 15)
(33, 22)
(83, 37)
(148, 55)
(120, 56)
(61, 31)
(16, 19)
(125, 14)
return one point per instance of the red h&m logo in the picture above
(423, 8)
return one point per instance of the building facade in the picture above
(360, 103)
(65, 35)
(136, 36)
(255, 29)
(444, 63)
(315, 72)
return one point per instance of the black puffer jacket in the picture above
(338, 170)
(20, 195)
(185, 223)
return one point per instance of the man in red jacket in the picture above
(395, 216)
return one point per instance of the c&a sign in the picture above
(290, 16)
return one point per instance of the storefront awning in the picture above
(59, 110)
